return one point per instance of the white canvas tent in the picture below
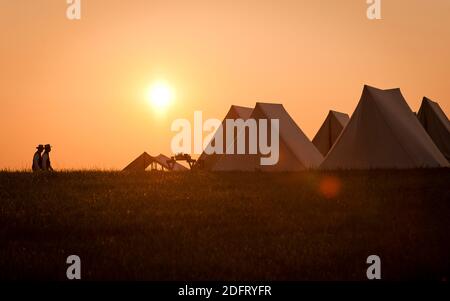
(383, 133)
(296, 152)
(140, 163)
(437, 125)
(330, 131)
(207, 162)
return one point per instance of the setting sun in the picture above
(160, 95)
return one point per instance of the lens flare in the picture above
(330, 187)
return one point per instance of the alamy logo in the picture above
(74, 270)
(256, 142)
(374, 270)
(73, 11)
(374, 10)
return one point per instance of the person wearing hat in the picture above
(37, 158)
(46, 165)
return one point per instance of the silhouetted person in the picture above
(46, 164)
(37, 158)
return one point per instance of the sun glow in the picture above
(160, 95)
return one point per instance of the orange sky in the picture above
(80, 85)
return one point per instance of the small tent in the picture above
(208, 161)
(330, 131)
(296, 152)
(383, 133)
(140, 163)
(159, 162)
(437, 125)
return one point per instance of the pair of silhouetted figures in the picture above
(41, 161)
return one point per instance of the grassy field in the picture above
(230, 226)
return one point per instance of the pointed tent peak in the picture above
(336, 112)
(427, 100)
(268, 104)
(368, 88)
(387, 98)
(272, 110)
(436, 123)
(241, 108)
(162, 156)
(238, 112)
(330, 130)
(370, 92)
(241, 112)
(372, 89)
(145, 155)
(332, 112)
(140, 163)
(268, 108)
(431, 103)
(343, 118)
(428, 104)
